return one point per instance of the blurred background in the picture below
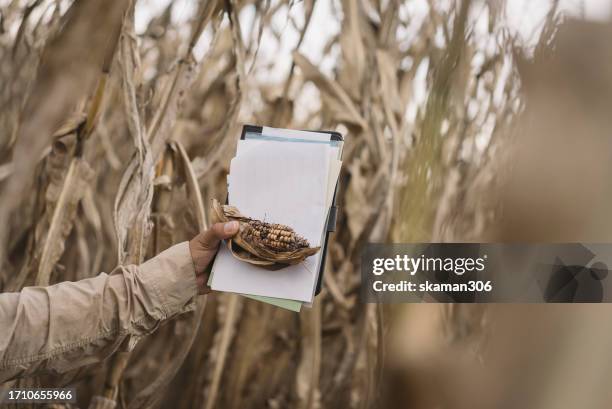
(464, 121)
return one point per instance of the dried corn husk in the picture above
(265, 244)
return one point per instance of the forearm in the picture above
(68, 325)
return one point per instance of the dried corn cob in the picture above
(261, 243)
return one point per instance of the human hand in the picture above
(203, 248)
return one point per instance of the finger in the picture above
(210, 238)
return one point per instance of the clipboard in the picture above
(333, 210)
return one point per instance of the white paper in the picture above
(292, 133)
(334, 173)
(245, 145)
(284, 183)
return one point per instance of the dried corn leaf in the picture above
(67, 72)
(337, 99)
(353, 51)
(78, 177)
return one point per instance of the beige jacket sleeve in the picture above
(71, 324)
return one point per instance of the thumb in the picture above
(209, 239)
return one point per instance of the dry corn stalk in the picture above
(265, 244)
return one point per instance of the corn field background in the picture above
(118, 120)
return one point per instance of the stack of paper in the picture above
(288, 177)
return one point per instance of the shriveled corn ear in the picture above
(269, 245)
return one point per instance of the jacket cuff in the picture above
(171, 275)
